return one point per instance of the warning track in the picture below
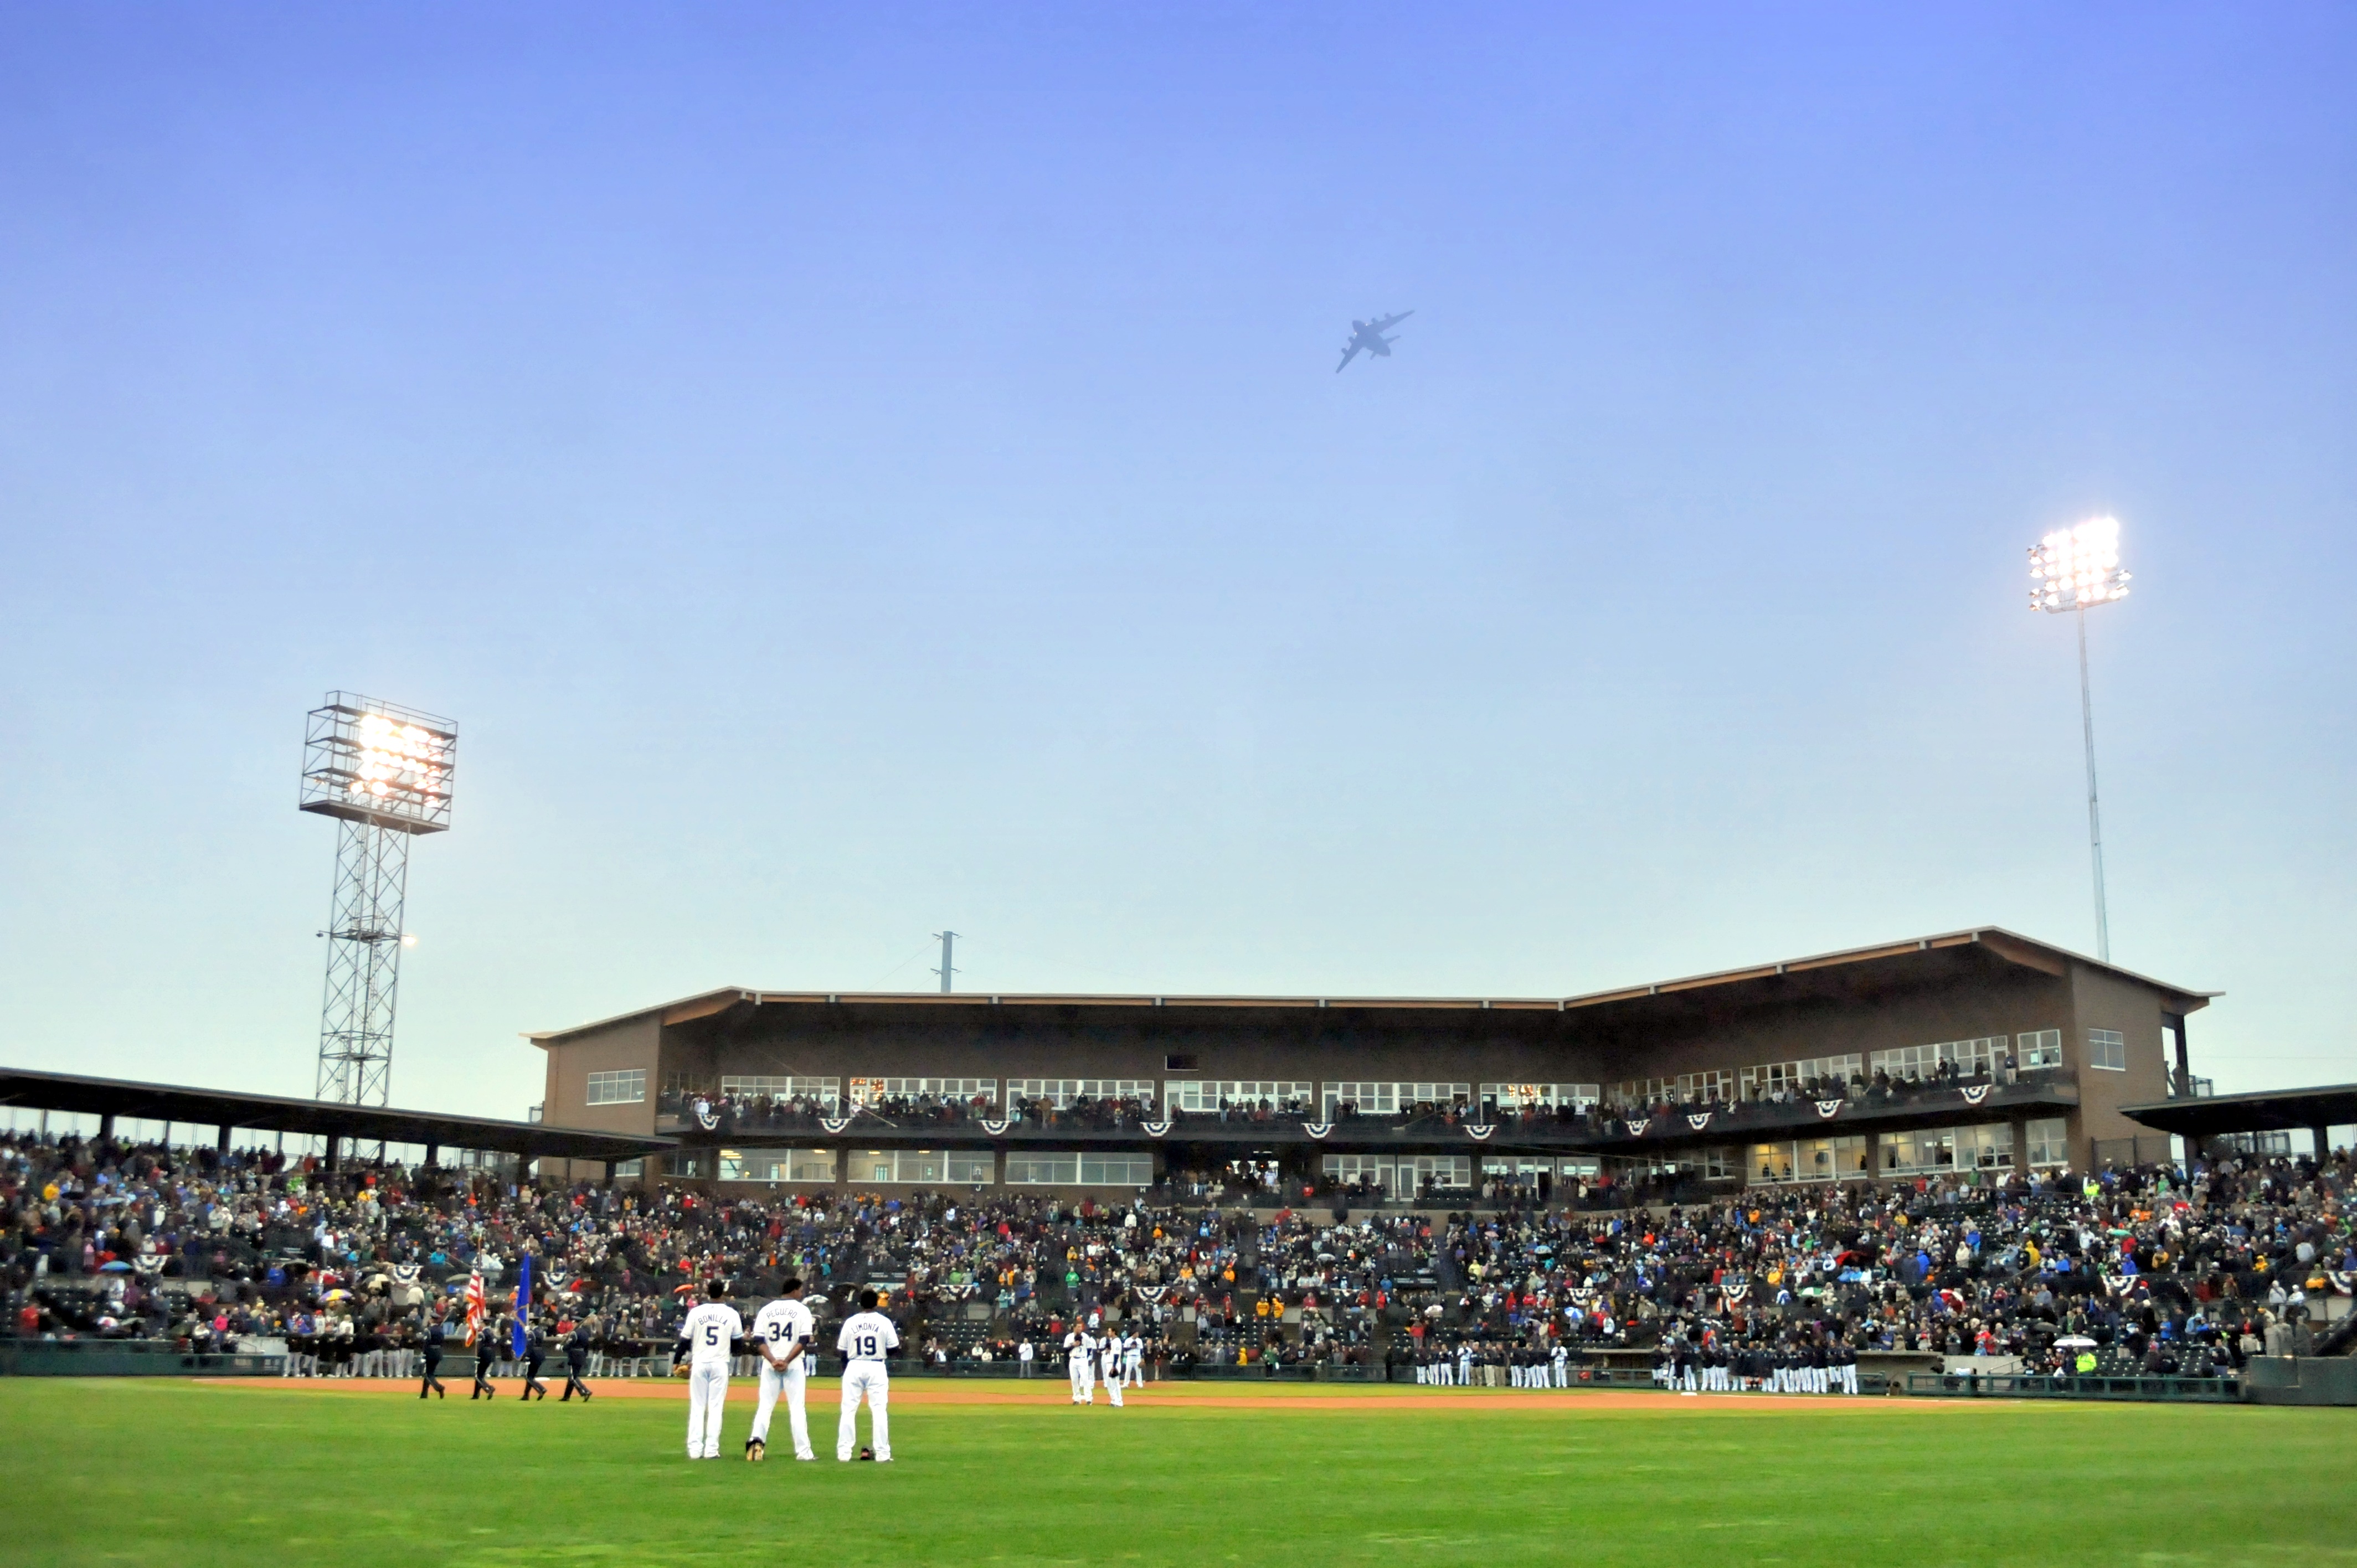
(1050, 1393)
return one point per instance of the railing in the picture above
(127, 1358)
(2072, 1386)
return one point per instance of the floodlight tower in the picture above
(2075, 569)
(383, 773)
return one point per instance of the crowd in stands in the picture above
(2183, 1271)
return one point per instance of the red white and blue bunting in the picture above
(1828, 1109)
(1698, 1120)
(1975, 1093)
(1637, 1126)
(997, 1129)
(1479, 1131)
(709, 1120)
(836, 1125)
(1155, 1128)
(1317, 1128)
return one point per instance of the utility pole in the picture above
(949, 940)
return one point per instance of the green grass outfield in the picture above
(161, 1471)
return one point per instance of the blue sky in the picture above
(850, 475)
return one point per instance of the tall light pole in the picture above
(2073, 570)
(385, 773)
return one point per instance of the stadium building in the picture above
(1974, 1049)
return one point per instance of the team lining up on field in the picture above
(2188, 1270)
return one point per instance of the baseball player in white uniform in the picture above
(707, 1338)
(1079, 1364)
(782, 1334)
(1133, 1360)
(867, 1335)
(1559, 1365)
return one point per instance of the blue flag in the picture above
(523, 1300)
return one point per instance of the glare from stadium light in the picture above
(372, 761)
(2077, 568)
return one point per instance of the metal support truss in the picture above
(363, 965)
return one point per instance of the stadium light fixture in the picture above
(2074, 569)
(384, 772)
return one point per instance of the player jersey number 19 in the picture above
(862, 1347)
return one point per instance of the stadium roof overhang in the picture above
(353, 1124)
(2266, 1111)
(1853, 970)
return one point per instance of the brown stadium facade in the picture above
(1973, 1049)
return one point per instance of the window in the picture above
(2039, 1047)
(1987, 1147)
(1061, 1093)
(1183, 1061)
(1404, 1175)
(2050, 1141)
(1043, 1170)
(629, 1170)
(868, 1091)
(627, 1087)
(2108, 1050)
(1926, 1149)
(1925, 1061)
(1390, 1098)
(1117, 1170)
(1250, 1093)
(1813, 1159)
(826, 1091)
(921, 1167)
(1770, 1079)
(1544, 1096)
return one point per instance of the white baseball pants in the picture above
(868, 1380)
(707, 1394)
(792, 1383)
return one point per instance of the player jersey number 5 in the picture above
(712, 1335)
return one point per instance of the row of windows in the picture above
(1080, 1170)
(827, 1091)
(1198, 1094)
(2106, 1048)
(1402, 1176)
(1987, 1146)
(945, 1168)
(1986, 1053)
(1061, 1093)
(1391, 1098)
(868, 1091)
(627, 1087)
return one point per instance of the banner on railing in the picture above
(1317, 1128)
(836, 1125)
(1154, 1129)
(1479, 1131)
(1828, 1109)
(707, 1119)
(1697, 1120)
(997, 1129)
(1975, 1092)
(1636, 1125)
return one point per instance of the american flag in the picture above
(476, 1304)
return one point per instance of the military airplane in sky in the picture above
(1369, 335)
